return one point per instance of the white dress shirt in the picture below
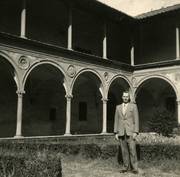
(124, 108)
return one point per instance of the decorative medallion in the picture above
(134, 82)
(106, 76)
(23, 62)
(71, 70)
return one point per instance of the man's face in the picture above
(125, 97)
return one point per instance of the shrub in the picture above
(176, 131)
(43, 165)
(162, 122)
(30, 158)
(40, 164)
(91, 151)
(108, 151)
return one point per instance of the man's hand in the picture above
(116, 136)
(135, 135)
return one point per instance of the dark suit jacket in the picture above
(129, 122)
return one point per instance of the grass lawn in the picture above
(76, 166)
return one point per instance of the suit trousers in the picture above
(129, 154)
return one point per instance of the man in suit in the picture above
(126, 128)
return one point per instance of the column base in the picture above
(67, 134)
(18, 136)
(24, 37)
(71, 49)
(104, 133)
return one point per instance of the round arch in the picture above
(10, 61)
(114, 79)
(44, 101)
(95, 73)
(115, 89)
(54, 64)
(10, 84)
(119, 77)
(155, 94)
(87, 90)
(142, 81)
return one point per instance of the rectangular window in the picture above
(171, 104)
(82, 111)
(52, 114)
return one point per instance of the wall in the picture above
(156, 40)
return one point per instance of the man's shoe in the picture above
(135, 171)
(123, 170)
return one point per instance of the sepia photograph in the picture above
(89, 88)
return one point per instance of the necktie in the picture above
(124, 108)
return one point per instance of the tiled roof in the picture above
(159, 11)
(103, 9)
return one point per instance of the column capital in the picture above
(104, 100)
(69, 96)
(20, 92)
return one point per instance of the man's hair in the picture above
(126, 91)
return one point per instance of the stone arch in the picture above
(102, 86)
(155, 94)
(118, 77)
(87, 91)
(56, 65)
(45, 100)
(116, 86)
(139, 84)
(10, 84)
(10, 61)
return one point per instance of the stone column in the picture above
(104, 127)
(23, 19)
(132, 54)
(105, 41)
(19, 114)
(68, 115)
(177, 42)
(178, 112)
(70, 29)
